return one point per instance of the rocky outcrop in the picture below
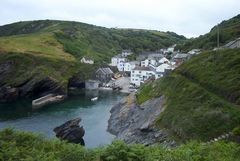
(76, 81)
(135, 123)
(32, 87)
(71, 131)
(37, 88)
(8, 94)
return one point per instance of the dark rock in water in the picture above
(71, 131)
(8, 94)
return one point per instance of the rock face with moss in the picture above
(202, 96)
(134, 123)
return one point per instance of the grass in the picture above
(37, 55)
(19, 145)
(199, 105)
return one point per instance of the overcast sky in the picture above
(190, 18)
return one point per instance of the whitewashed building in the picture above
(87, 60)
(117, 59)
(163, 60)
(120, 66)
(147, 62)
(171, 48)
(180, 58)
(140, 74)
(194, 51)
(125, 53)
(127, 66)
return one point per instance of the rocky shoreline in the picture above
(134, 123)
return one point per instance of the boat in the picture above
(94, 99)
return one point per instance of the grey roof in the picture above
(129, 51)
(180, 56)
(87, 58)
(134, 62)
(118, 56)
(105, 70)
(144, 68)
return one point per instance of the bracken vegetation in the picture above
(202, 96)
(17, 145)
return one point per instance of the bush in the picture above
(236, 131)
(17, 145)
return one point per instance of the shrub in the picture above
(236, 131)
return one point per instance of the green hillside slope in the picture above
(202, 95)
(83, 39)
(228, 31)
(35, 55)
(34, 51)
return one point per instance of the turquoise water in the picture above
(94, 115)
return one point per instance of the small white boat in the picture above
(94, 99)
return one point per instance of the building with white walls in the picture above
(117, 59)
(125, 53)
(140, 74)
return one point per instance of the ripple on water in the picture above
(94, 116)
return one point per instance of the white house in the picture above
(117, 59)
(87, 60)
(125, 53)
(147, 62)
(140, 74)
(163, 60)
(171, 48)
(128, 66)
(180, 57)
(120, 66)
(162, 69)
(194, 51)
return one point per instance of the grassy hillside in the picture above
(98, 42)
(36, 50)
(35, 55)
(228, 31)
(16, 145)
(202, 95)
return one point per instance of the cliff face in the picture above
(135, 123)
(202, 96)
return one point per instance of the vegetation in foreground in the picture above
(202, 96)
(18, 145)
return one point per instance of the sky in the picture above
(190, 18)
